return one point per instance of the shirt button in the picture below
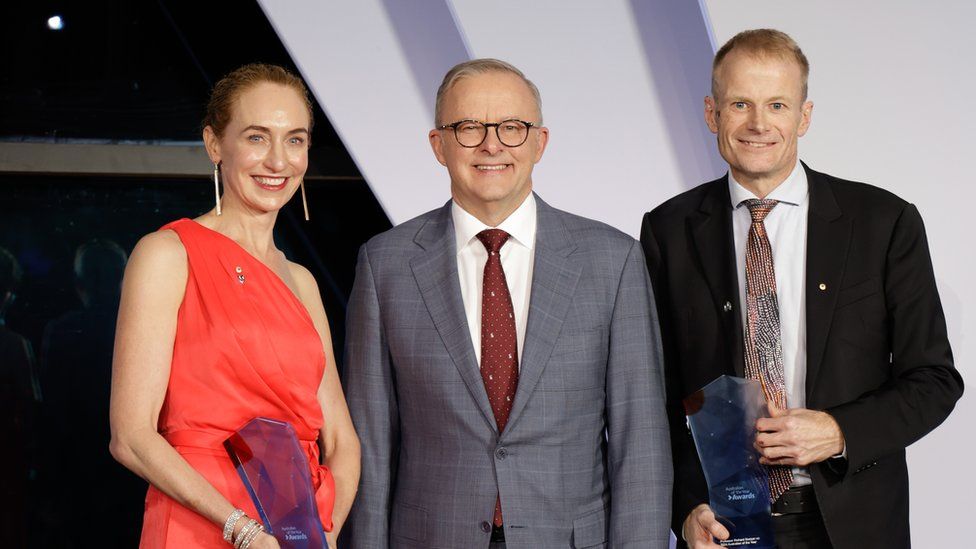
(485, 527)
(501, 453)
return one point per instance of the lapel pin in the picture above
(823, 287)
(727, 307)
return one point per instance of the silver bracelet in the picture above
(253, 534)
(239, 540)
(230, 523)
(240, 535)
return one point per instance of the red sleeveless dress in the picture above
(245, 347)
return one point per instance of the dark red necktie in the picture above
(499, 344)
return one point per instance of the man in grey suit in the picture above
(503, 363)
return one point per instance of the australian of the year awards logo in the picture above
(739, 493)
(294, 534)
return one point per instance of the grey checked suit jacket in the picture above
(584, 460)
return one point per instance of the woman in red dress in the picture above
(216, 327)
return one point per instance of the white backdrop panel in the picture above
(610, 155)
(350, 55)
(622, 85)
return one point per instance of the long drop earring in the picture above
(217, 185)
(304, 202)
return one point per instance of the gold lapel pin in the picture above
(823, 287)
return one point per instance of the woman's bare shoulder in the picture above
(159, 253)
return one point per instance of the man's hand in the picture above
(700, 527)
(797, 436)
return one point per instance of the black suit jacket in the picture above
(878, 356)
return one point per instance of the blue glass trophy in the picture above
(275, 472)
(722, 416)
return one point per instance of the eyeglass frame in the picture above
(487, 125)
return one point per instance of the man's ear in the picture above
(807, 114)
(542, 139)
(437, 145)
(711, 114)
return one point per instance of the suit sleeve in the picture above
(370, 393)
(690, 488)
(638, 447)
(924, 384)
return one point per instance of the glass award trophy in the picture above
(275, 472)
(722, 416)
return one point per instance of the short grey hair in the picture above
(480, 66)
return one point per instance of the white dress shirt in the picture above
(786, 226)
(517, 256)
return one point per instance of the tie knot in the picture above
(493, 239)
(760, 208)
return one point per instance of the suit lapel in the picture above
(828, 241)
(711, 229)
(554, 279)
(437, 277)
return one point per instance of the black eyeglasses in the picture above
(471, 133)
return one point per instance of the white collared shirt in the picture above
(517, 256)
(786, 226)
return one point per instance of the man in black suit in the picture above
(859, 337)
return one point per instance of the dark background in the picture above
(122, 72)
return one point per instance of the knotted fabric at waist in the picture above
(211, 442)
(201, 439)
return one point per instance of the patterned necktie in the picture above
(499, 353)
(763, 345)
